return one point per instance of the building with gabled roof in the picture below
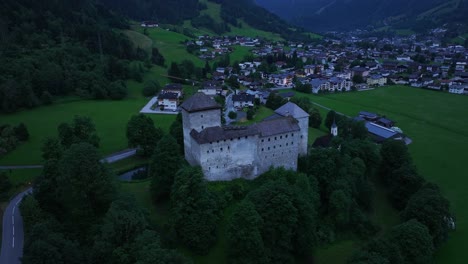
(230, 152)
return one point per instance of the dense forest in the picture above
(280, 217)
(164, 11)
(55, 48)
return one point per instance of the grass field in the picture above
(437, 124)
(139, 40)
(110, 118)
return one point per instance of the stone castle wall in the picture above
(279, 150)
(229, 159)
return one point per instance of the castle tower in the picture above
(291, 109)
(334, 129)
(198, 112)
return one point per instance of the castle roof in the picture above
(291, 109)
(199, 102)
(212, 134)
(278, 126)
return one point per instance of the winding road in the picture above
(13, 235)
(12, 238)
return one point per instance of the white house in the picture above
(456, 89)
(376, 80)
(168, 101)
(243, 100)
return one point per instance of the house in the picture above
(376, 80)
(284, 79)
(360, 71)
(385, 122)
(243, 100)
(368, 116)
(319, 85)
(174, 88)
(149, 24)
(168, 101)
(456, 89)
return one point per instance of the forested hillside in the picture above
(166, 11)
(55, 48)
(344, 14)
(175, 12)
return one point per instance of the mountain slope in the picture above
(348, 14)
(231, 14)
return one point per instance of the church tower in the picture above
(334, 129)
(198, 112)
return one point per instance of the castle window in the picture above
(292, 143)
(202, 127)
(275, 138)
(246, 137)
(238, 138)
(263, 149)
(268, 139)
(263, 140)
(229, 147)
(280, 146)
(286, 136)
(268, 148)
(221, 149)
(274, 147)
(212, 150)
(208, 151)
(201, 116)
(216, 166)
(217, 141)
(302, 136)
(281, 137)
(273, 155)
(292, 134)
(209, 168)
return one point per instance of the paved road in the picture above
(12, 240)
(119, 156)
(21, 167)
(109, 159)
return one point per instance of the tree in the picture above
(151, 88)
(122, 224)
(174, 71)
(340, 208)
(165, 163)
(156, 57)
(81, 129)
(414, 242)
(148, 250)
(332, 116)
(232, 115)
(177, 131)
(404, 182)
(84, 186)
(274, 101)
(315, 119)
(394, 154)
(357, 78)
(245, 242)
(21, 132)
(142, 134)
(194, 210)
(430, 208)
(250, 114)
(117, 90)
(5, 186)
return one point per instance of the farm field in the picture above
(437, 124)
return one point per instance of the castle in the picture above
(229, 152)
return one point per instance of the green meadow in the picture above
(110, 118)
(437, 124)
